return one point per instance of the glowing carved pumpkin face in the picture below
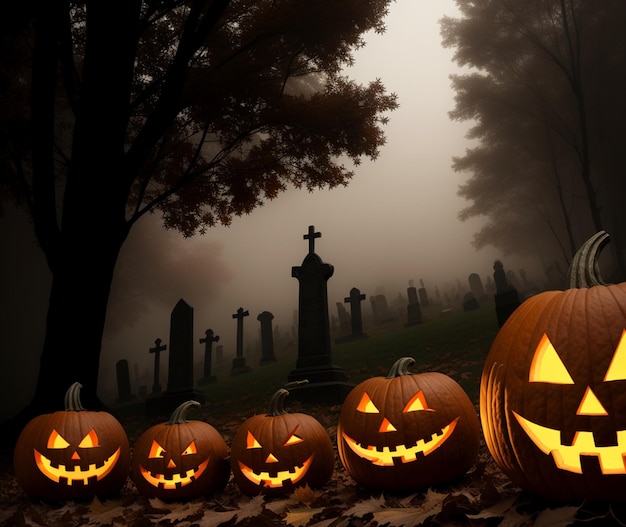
(407, 430)
(180, 459)
(277, 452)
(72, 454)
(547, 367)
(553, 390)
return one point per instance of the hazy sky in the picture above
(396, 221)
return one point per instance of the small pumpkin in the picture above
(277, 452)
(72, 454)
(180, 459)
(553, 388)
(407, 430)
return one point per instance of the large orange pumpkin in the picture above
(407, 430)
(277, 452)
(72, 454)
(180, 459)
(553, 388)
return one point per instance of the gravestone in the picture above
(423, 295)
(267, 337)
(375, 315)
(356, 316)
(124, 393)
(327, 381)
(506, 297)
(158, 348)
(413, 308)
(180, 381)
(476, 286)
(344, 320)
(239, 362)
(209, 338)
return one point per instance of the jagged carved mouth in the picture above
(384, 456)
(278, 479)
(567, 457)
(75, 473)
(175, 480)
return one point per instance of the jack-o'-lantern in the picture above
(553, 389)
(277, 452)
(407, 430)
(180, 459)
(72, 454)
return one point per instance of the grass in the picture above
(455, 344)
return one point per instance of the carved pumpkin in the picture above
(553, 389)
(279, 451)
(72, 454)
(407, 431)
(180, 459)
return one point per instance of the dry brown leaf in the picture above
(301, 517)
(250, 508)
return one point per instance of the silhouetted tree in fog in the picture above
(546, 162)
(196, 109)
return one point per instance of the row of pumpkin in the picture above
(552, 409)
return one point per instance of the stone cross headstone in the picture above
(158, 348)
(239, 362)
(124, 393)
(267, 337)
(180, 380)
(413, 308)
(506, 297)
(209, 338)
(356, 316)
(314, 361)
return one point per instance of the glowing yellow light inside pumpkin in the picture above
(156, 450)
(547, 366)
(251, 441)
(617, 368)
(191, 449)
(590, 404)
(386, 426)
(55, 440)
(366, 405)
(417, 403)
(293, 439)
(90, 440)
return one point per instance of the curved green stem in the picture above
(179, 415)
(583, 271)
(401, 367)
(72, 398)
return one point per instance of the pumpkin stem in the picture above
(179, 415)
(583, 271)
(72, 398)
(401, 367)
(277, 402)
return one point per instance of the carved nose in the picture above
(75, 455)
(271, 459)
(171, 464)
(386, 426)
(590, 404)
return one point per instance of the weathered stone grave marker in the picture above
(506, 297)
(356, 317)
(267, 337)
(209, 338)
(124, 393)
(239, 362)
(326, 380)
(413, 308)
(180, 379)
(158, 348)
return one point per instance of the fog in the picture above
(395, 222)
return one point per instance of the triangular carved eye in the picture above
(156, 450)
(90, 440)
(56, 440)
(191, 449)
(417, 403)
(617, 368)
(251, 441)
(293, 438)
(547, 366)
(367, 406)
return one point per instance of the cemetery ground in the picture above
(455, 344)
